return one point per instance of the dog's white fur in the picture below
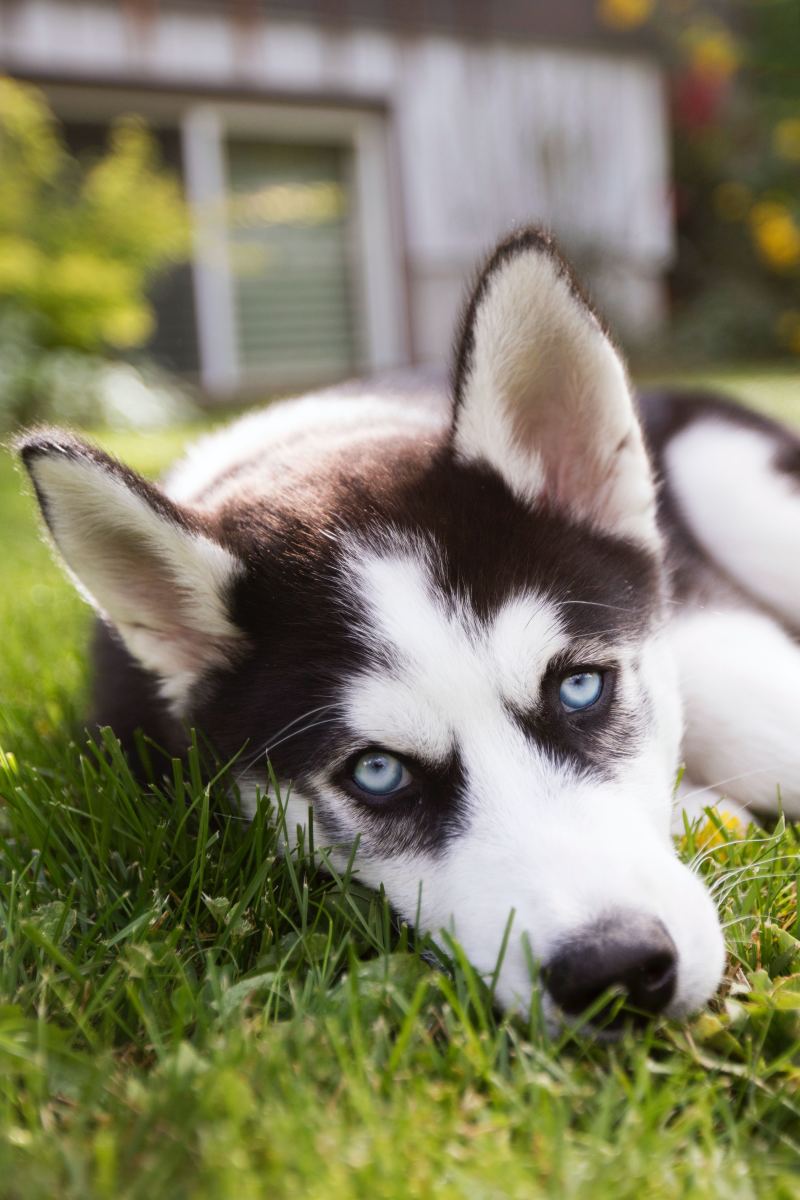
(297, 437)
(752, 531)
(740, 681)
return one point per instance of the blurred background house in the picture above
(349, 161)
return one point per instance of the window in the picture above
(291, 250)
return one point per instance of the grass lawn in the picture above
(185, 1014)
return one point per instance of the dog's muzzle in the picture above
(627, 954)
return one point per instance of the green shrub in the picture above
(79, 245)
(734, 88)
(62, 384)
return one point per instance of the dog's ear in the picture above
(542, 396)
(147, 565)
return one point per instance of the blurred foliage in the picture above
(79, 245)
(735, 96)
(62, 384)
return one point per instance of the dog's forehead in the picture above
(462, 551)
(483, 548)
(432, 666)
(475, 538)
(413, 622)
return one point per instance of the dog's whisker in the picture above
(623, 609)
(703, 855)
(722, 897)
(265, 746)
(756, 868)
(718, 783)
(597, 604)
(757, 865)
(739, 920)
(297, 732)
(311, 712)
(265, 751)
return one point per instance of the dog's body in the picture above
(450, 627)
(729, 508)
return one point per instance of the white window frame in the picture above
(204, 123)
(205, 128)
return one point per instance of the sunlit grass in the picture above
(185, 1013)
(773, 390)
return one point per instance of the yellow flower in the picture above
(709, 835)
(624, 14)
(786, 138)
(712, 51)
(732, 200)
(776, 234)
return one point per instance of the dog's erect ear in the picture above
(542, 396)
(146, 564)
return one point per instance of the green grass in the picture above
(183, 1013)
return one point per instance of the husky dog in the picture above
(466, 632)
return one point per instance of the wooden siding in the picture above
(568, 21)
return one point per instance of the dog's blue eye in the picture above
(581, 690)
(380, 774)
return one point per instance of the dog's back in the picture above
(729, 506)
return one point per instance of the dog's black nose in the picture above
(632, 954)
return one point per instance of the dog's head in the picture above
(451, 641)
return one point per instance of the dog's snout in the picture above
(633, 955)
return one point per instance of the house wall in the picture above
(478, 136)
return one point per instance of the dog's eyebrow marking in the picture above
(443, 670)
(522, 639)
